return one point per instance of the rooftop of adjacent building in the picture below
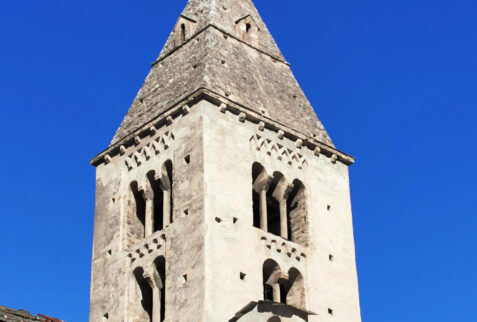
(11, 315)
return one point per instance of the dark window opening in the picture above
(140, 206)
(248, 27)
(256, 170)
(296, 214)
(283, 294)
(268, 293)
(158, 202)
(256, 209)
(183, 32)
(146, 292)
(160, 263)
(273, 215)
(168, 169)
(271, 273)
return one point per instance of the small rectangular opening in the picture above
(217, 219)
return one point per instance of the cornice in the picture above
(182, 108)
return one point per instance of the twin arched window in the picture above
(149, 292)
(151, 204)
(283, 288)
(279, 206)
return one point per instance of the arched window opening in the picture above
(279, 192)
(138, 212)
(261, 182)
(183, 32)
(248, 28)
(279, 206)
(294, 289)
(273, 207)
(149, 298)
(160, 266)
(272, 276)
(256, 209)
(144, 294)
(166, 186)
(297, 214)
(256, 170)
(157, 202)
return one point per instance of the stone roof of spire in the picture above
(214, 56)
(223, 14)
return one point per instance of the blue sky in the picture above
(394, 82)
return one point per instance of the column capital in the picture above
(153, 279)
(282, 190)
(262, 182)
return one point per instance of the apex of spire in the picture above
(223, 47)
(238, 18)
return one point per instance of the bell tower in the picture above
(221, 196)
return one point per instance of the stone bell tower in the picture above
(221, 196)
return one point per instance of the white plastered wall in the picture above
(235, 248)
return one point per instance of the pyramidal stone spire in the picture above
(223, 50)
(222, 197)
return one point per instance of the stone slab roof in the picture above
(224, 14)
(10, 315)
(254, 76)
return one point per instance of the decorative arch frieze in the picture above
(278, 151)
(143, 154)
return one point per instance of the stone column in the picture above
(281, 193)
(149, 220)
(166, 187)
(166, 212)
(263, 210)
(156, 304)
(261, 185)
(276, 293)
(155, 282)
(283, 219)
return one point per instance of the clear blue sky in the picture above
(394, 82)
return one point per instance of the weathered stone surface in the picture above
(230, 68)
(224, 14)
(11, 315)
(250, 205)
